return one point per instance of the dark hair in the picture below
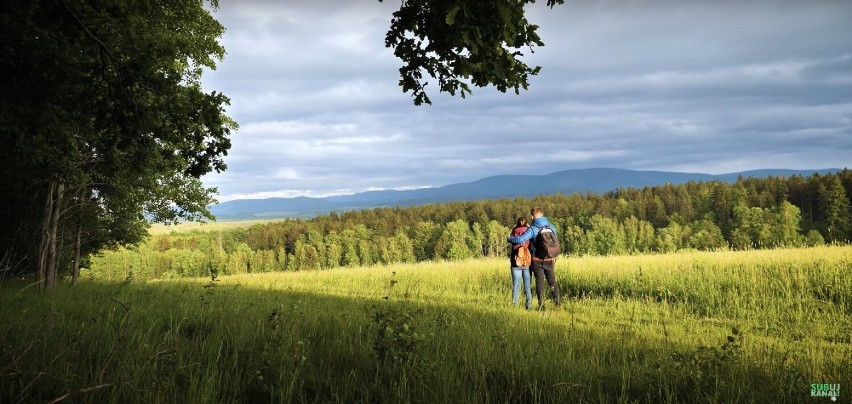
(522, 221)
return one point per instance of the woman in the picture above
(520, 264)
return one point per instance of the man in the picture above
(542, 267)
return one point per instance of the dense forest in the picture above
(751, 213)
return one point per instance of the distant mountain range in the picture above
(597, 180)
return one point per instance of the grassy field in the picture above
(758, 326)
(159, 228)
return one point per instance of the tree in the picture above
(104, 122)
(405, 246)
(575, 240)
(836, 207)
(334, 250)
(814, 239)
(786, 219)
(669, 239)
(607, 239)
(495, 239)
(722, 206)
(350, 248)
(476, 241)
(707, 236)
(424, 238)
(752, 227)
(454, 243)
(638, 235)
(365, 252)
(463, 42)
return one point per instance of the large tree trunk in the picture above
(75, 270)
(47, 256)
(52, 256)
(44, 243)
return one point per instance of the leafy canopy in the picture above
(463, 42)
(104, 98)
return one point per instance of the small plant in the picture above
(274, 320)
(715, 357)
(129, 278)
(397, 338)
(390, 286)
(706, 366)
(443, 321)
(209, 293)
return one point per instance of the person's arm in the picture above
(528, 235)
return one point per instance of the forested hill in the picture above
(596, 180)
(749, 213)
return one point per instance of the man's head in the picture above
(536, 212)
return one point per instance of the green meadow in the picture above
(749, 326)
(210, 226)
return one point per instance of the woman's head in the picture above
(522, 221)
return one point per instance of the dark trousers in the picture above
(545, 270)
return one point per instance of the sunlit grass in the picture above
(756, 326)
(160, 228)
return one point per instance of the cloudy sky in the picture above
(711, 86)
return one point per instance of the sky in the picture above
(708, 86)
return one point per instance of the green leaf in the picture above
(451, 14)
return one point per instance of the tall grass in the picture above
(183, 227)
(758, 326)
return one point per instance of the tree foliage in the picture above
(463, 42)
(619, 222)
(104, 123)
(834, 202)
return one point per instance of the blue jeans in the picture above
(517, 274)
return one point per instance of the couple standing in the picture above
(541, 260)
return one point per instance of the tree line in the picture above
(750, 213)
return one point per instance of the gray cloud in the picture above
(701, 86)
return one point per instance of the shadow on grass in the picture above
(194, 342)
